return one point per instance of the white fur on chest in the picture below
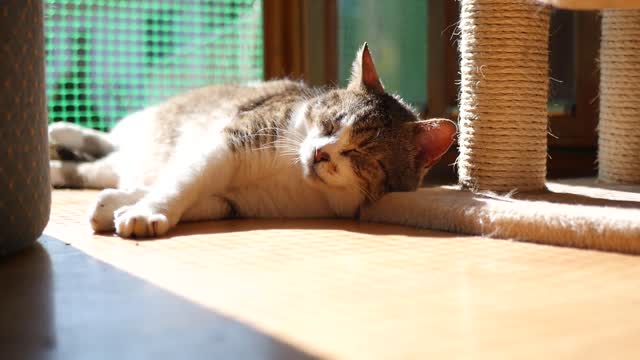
(264, 187)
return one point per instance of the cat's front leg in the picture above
(206, 171)
(114, 201)
(158, 211)
(143, 222)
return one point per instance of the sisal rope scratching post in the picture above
(619, 128)
(503, 95)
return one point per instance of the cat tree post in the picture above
(503, 95)
(619, 127)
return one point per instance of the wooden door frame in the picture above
(290, 27)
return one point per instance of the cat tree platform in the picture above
(316, 289)
(503, 126)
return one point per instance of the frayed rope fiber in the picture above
(619, 128)
(503, 95)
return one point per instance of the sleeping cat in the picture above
(272, 149)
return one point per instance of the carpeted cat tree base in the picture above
(576, 213)
(504, 67)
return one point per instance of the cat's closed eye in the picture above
(349, 152)
(367, 140)
(339, 118)
(329, 128)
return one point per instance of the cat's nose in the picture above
(321, 156)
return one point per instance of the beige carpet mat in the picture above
(578, 213)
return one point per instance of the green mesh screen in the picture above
(107, 58)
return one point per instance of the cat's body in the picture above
(273, 149)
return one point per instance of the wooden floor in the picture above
(311, 289)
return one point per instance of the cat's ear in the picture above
(433, 138)
(363, 73)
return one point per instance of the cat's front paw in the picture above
(101, 213)
(140, 220)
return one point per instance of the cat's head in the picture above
(361, 137)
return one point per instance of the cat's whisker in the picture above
(288, 148)
(282, 140)
(290, 154)
(295, 160)
(364, 191)
(280, 133)
(267, 146)
(288, 145)
(291, 141)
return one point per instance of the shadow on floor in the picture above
(448, 196)
(245, 225)
(59, 303)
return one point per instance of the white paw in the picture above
(101, 213)
(66, 135)
(140, 220)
